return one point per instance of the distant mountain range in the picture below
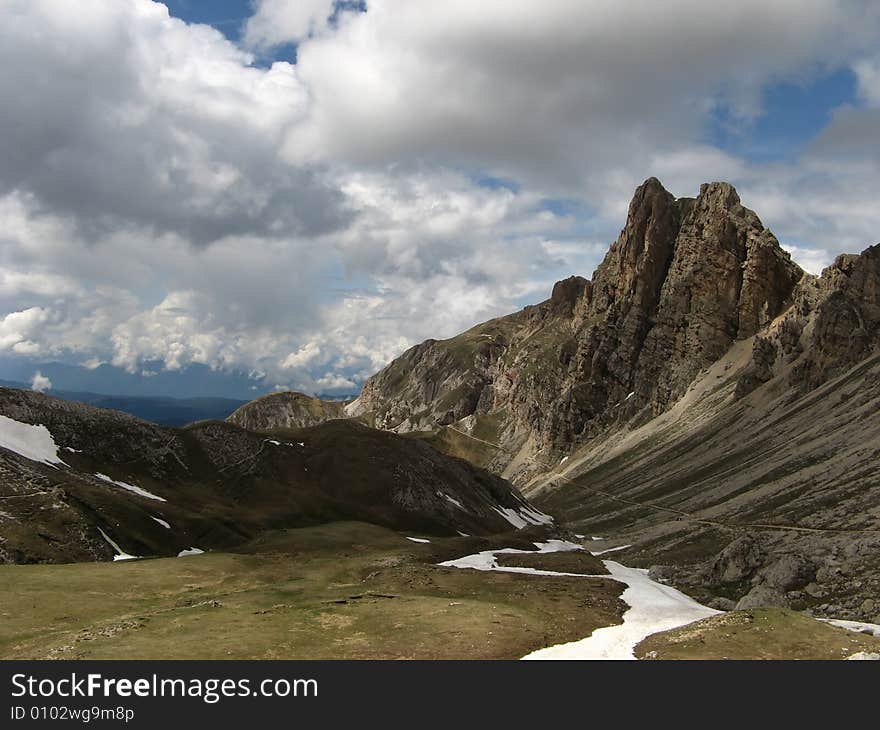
(161, 410)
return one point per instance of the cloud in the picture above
(553, 93)
(303, 357)
(124, 115)
(276, 22)
(422, 167)
(40, 383)
(867, 72)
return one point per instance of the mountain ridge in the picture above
(81, 483)
(684, 280)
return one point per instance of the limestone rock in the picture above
(685, 279)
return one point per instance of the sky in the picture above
(287, 194)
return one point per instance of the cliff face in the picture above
(685, 279)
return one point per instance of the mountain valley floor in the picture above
(350, 590)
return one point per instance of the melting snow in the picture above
(131, 488)
(523, 517)
(161, 522)
(512, 516)
(455, 502)
(611, 550)
(653, 607)
(486, 560)
(120, 553)
(31, 442)
(418, 539)
(858, 626)
(190, 551)
(535, 517)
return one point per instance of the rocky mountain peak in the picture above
(566, 294)
(685, 279)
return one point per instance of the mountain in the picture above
(161, 410)
(285, 410)
(684, 281)
(80, 483)
(700, 396)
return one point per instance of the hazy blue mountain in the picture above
(194, 381)
(164, 411)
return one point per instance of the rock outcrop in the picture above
(287, 409)
(685, 279)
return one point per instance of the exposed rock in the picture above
(661, 573)
(285, 410)
(762, 595)
(737, 562)
(685, 279)
(789, 573)
(721, 603)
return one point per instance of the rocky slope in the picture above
(700, 397)
(285, 410)
(684, 281)
(82, 483)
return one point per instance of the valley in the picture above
(676, 458)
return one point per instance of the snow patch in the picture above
(629, 396)
(130, 487)
(120, 553)
(611, 550)
(524, 516)
(455, 502)
(419, 539)
(161, 522)
(653, 607)
(31, 442)
(564, 459)
(487, 560)
(535, 517)
(190, 551)
(860, 627)
(512, 516)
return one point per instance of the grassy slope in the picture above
(346, 590)
(767, 633)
